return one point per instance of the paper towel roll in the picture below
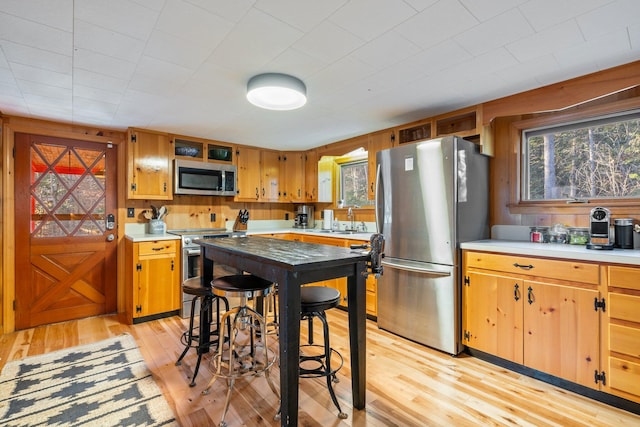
(327, 221)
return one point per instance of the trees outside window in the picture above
(599, 158)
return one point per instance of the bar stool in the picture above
(248, 343)
(314, 301)
(203, 297)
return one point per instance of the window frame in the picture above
(573, 125)
(578, 113)
(347, 160)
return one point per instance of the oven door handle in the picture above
(193, 252)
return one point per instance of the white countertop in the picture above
(146, 237)
(556, 250)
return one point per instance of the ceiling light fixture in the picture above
(275, 91)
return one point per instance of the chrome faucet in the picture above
(352, 217)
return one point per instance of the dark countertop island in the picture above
(291, 264)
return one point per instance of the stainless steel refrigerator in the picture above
(430, 196)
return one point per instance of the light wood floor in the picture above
(407, 384)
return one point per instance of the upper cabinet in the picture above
(190, 148)
(311, 176)
(258, 175)
(377, 141)
(292, 172)
(466, 123)
(149, 165)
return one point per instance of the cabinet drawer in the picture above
(624, 307)
(561, 270)
(624, 277)
(158, 247)
(625, 340)
(624, 375)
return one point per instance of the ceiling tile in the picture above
(52, 13)
(185, 21)
(230, 10)
(328, 42)
(264, 45)
(495, 33)
(543, 14)
(29, 33)
(46, 77)
(107, 42)
(102, 64)
(386, 50)
(436, 24)
(124, 17)
(368, 26)
(609, 18)
(27, 55)
(304, 15)
(484, 10)
(550, 40)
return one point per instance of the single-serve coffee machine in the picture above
(304, 217)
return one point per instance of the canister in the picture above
(578, 235)
(623, 233)
(539, 234)
(327, 220)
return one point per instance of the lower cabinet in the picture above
(153, 279)
(341, 283)
(535, 312)
(622, 358)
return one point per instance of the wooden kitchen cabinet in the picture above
(153, 279)
(311, 176)
(377, 141)
(258, 175)
(535, 312)
(293, 177)
(622, 352)
(149, 165)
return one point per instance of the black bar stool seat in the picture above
(315, 360)
(204, 298)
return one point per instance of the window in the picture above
(353, 182)
(594, 159)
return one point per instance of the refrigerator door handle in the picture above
(416, 269)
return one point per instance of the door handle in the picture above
(110, 238)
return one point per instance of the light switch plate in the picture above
(131, 212)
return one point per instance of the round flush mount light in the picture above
(275, 91)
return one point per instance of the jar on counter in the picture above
(558, 234)
(578, 235)
(539, 234)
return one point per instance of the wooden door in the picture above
(65, 250)
(293, 177)
(311, 176)
(270, 168)
(492, 315)
(561, 331)
(248, 162)
(377, 141)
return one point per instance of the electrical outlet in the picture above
(213, 217)
(131, 212)
(286, 216)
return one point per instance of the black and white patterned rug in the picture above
(101, 384)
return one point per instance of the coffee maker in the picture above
(304, 217)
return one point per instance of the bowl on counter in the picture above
(187, 151)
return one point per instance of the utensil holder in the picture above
(157, 226)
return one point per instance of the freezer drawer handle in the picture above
(522, 266)
(416, 269)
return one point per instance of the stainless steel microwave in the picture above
(206, 179)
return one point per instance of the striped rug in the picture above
(101, 384)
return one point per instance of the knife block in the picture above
(239, 225)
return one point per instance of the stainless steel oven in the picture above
(191, 258)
